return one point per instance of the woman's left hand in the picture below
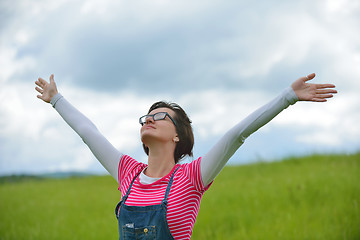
(312, 92)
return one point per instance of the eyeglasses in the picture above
(157, 116)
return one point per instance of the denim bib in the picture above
(144, 222)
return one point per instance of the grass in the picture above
(74, 208)
(315, 197)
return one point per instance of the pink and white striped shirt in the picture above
(184, 198)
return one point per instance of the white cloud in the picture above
(222, 48)
(345, 7)
(334, 123)
(213, 112)
(10, 64)
(35, 126)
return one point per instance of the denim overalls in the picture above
(143, 222)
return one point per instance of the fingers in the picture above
(51, 78)
(46, 89)
(320, 86)
(39, 84)
(42, 81)
(39, 90)
(318, 100)
(40, 97)
(309, 77)
(325, 91)
(321, 97)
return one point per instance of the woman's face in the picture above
(160, 130)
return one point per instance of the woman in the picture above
(161, 199)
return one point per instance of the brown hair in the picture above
(183, 129)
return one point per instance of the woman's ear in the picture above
(176, 139)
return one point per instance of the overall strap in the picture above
(128, 191)
(169, 187)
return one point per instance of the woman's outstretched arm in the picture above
(214, 161)
(103, 150)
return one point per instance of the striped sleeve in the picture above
(193, 172)
(127, 166)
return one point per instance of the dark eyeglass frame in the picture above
(156, 117)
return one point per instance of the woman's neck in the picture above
(160, 162)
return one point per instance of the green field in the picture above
(315, 197)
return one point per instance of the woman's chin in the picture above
(147, 138)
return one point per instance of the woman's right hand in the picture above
(47, 90)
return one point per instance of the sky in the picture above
(219, 60)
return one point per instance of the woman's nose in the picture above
(149, 119)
